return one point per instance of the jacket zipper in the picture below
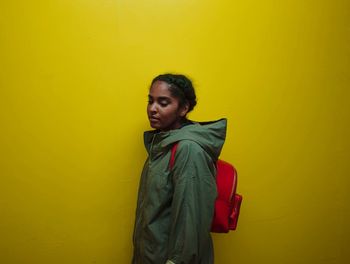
(138, 221)
(151, 150)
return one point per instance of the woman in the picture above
(175, 205)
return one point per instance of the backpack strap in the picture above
(172, 157)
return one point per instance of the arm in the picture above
(193, 204)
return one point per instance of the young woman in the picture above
(175, 204)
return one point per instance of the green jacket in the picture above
(175, 206)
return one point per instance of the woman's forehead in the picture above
(160, 89)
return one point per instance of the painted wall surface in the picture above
(74, 77)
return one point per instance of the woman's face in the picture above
(163, 109)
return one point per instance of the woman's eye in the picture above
(164, 103)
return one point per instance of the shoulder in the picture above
(191, 150)
(187, 145)
(192, 159)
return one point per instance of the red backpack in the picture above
(228, 202)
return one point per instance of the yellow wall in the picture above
(73, 84)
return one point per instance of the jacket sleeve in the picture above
(192, 206)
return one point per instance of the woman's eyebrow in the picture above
(164, 98)
(160, 97)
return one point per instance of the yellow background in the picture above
(74, 77)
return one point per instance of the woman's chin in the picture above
(155, 125)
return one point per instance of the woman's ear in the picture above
(184, 109)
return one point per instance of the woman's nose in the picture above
(153, 108)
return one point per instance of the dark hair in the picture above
(181, 87)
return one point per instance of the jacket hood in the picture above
(209, 135)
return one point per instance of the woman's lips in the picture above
(153, 119)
